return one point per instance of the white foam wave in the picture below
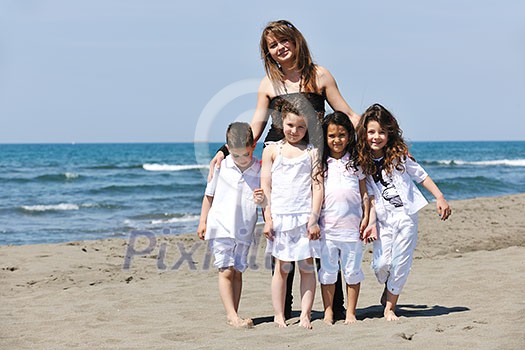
(504, 162)
(52, 207)
(71, 175)
(185, 218)
(170, 167)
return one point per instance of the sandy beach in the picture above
(466, 291)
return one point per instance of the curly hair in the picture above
(339, 118)
(396, 149)
(300, 105)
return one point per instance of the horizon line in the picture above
(200, 142)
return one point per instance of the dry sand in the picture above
(466, 291)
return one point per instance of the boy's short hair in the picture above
(239, 134)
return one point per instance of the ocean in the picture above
(53, 193)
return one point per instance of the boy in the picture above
(229, 214)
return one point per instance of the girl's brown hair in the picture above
(303, 63)
(396, 149)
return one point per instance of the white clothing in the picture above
(397, 227)
(350, 254)
(291, 206)
(233, 213)
(394, 250)
(342, 210)
(413, 200)
(293, 245)
(290, 179)
(228, 252)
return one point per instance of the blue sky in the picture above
(170, 71)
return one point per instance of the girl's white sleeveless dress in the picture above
(291, 206)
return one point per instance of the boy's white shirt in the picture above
(412, 198)
(233, 213)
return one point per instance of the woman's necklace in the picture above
(300, 85)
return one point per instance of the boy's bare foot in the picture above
(305, 322)
(350, 319)
(280, 321)
(383, 297)
(390, 315)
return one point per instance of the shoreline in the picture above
(424, 214)
(465, 290)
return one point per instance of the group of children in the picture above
(318, 202)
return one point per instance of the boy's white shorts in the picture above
(228, 252)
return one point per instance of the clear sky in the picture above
(180, 71)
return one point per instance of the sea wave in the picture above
(503, 162)
(183, 218)
(114, 166)
(170, 167)
(66, 207)
(50, 207)
(132, 188)
(59, 177)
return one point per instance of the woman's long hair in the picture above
(303, 62)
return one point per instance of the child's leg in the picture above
(289, 286)
(352, 291)
(230, 259)
(279, 290)
(237, 288)
(241, 251)
(307, 270)
(327, 291)
(337, 308)
(227, 281)
(390, 306)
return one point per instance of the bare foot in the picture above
(280, 321)
(240, 323)
(383, 297)
(328, 317)
(329, 321)
(350, 319)
(390, 315)
(305, 322)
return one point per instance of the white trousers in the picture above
(394, 250)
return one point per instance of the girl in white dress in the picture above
(291, 211)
